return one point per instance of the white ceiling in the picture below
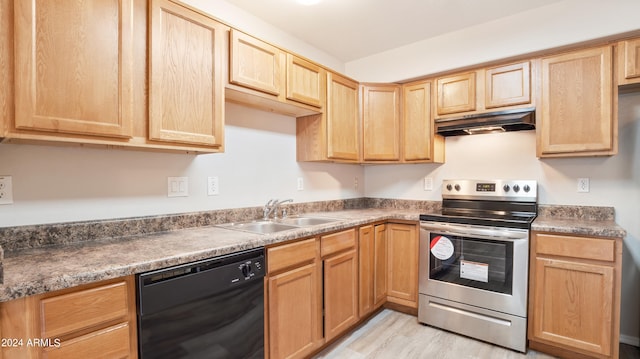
(353, 29)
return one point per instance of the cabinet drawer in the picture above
(85, 309)
(289, 255)
(337, 242)
(576, 247)
(112, 342)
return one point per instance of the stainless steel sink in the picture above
(272, 226)
(307, 221)
(261, 227)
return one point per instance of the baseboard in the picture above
(628, 339)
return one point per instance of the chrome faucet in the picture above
(271, 207)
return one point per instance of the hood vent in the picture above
(492, 122)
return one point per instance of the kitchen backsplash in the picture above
(34, 236)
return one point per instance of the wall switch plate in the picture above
(6, 190)
(428, 184)
(212, 186)
(300, 184)
(178, 186)
(583, 185)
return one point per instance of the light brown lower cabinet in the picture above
(294, 304)
(402, 264)
(340, 293)
(91, 321)
(319, 288)
(340, 268)
(574, 296)
(372, 250)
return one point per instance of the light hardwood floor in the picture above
(395, 335)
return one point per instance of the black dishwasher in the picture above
(212, 308)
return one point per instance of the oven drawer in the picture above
(575, 247)
(495, 327)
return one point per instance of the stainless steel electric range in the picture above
(474, 260)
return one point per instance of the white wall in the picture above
(61, 184)
(614, 181)
(558, 24)
(242, 20)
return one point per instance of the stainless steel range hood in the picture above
(500, 121)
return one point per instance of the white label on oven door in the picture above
(441, 248)
(474, 271)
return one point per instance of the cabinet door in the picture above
(305, 81)
(186, 98)
(340, 293)
(456, 93)
(295, 312)
(366, 259)
(576, 115)
(343, 134)
(417, 122)
(381, 123)
(629, 66)
(256, 64)
(73, 60)
(380, 265)
(573, 305)
(508, 85)
(402, 262)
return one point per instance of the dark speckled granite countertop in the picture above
(38, 270)
(579, 220)
(49, 258)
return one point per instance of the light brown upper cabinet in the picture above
(335, 134)
(305, 81)
(381, 122)
(256, 64)
(268, 78)
(629, 62)
(507, 85)
(577, 114)
(456, 93)
(186, 83)
(343, 123)
(484, 90)
(419, 142)
(73, 67)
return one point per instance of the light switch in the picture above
(177, 186)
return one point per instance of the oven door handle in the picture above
(498, 234)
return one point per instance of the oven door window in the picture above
(478, 263)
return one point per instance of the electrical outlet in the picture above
(300, 184)
(177, 186)
(583, 185)
(212, 186)
(428, 184)
(355, 182)
(6, 190)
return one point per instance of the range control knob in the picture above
(526, 188)
(506, 188)
(457, 187)
(516, 188)
(449, 187)
(246, 269)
